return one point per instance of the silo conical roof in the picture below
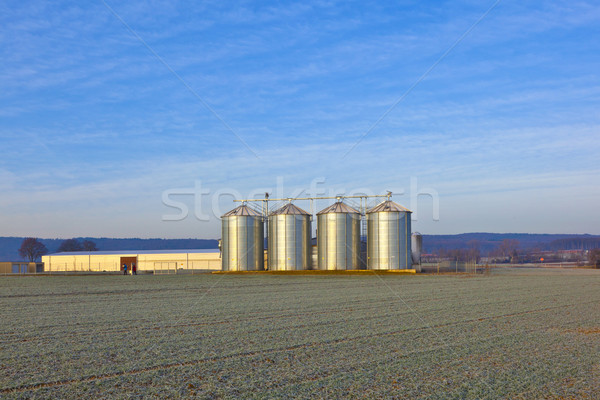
(388, 206)
(340, 208)
(242, 210)
(289, 209)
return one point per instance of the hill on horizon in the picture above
(489, 241)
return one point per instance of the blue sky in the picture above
(94, 129)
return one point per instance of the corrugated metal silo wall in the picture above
(338, 241)
(242, 243)
(289, 242)
(388, 240)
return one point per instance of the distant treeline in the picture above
(485, 243)
(488, 242)
(9, 246)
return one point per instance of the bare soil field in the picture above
(519, 334)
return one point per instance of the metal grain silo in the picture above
(289, 239)
(338, 237)
(242, 243)
(416, 247)
(388, 237)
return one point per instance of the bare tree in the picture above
(88, 245)
(507, 248)
(594, 257)
(70, 245)
(474, 251)
(32, 249)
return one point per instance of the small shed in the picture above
(20, 267)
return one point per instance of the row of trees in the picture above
(470, 255)
(507, 251)
(32, 249)
(76, 245)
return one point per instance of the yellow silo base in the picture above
(325, 272)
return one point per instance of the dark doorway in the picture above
(129, 261)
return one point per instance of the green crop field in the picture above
(513, 334)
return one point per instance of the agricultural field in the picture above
(519, 334)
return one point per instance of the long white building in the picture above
(155, 261)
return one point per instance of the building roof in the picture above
(338, 207)
(289, 209)
(388, 206)
(242, 210)
(134, 252)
